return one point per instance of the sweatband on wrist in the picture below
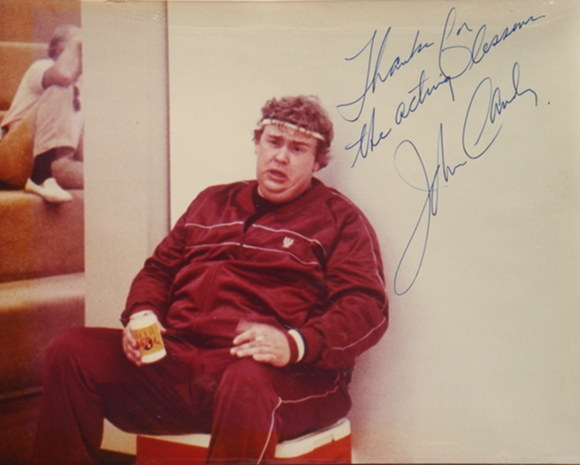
(297, 337)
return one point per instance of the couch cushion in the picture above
(40, 239)
(32, 313)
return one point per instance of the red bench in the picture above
(330, 445)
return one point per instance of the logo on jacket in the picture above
(288, 241)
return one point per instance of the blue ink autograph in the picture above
(419, 96)
(373, 73)
(461, 47)
(454, 60)
(367, 141)
(420, 235)
(495, 107)
(414, 252)
(470, 56)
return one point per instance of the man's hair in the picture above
(59, 37)
(307, 114)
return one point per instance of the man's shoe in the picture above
(50, 191)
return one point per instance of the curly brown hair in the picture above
(305, 112)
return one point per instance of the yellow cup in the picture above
(146, 332)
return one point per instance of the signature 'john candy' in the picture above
(408, 154)
(479, 128)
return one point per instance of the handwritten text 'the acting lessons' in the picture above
(460, 48)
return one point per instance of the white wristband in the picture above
(299, 343)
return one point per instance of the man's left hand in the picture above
(263, 343)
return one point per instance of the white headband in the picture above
(314, 134)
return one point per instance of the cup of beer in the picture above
(146, 332)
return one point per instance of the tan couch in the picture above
(41, 259)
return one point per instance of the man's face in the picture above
(286, 162)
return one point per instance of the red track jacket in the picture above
(313, 265)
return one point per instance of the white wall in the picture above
(126, 147)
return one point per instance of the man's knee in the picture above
(247, 372)
(57, 122)
(57, 95)
(81, 346)
(70, 343)
(67, 171)
(247, 382)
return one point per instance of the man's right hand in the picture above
(131, 347)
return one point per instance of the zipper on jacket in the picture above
(209, 286)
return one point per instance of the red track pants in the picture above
(247, 406)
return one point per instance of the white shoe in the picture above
(50, 191)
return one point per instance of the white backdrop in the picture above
(457, 134)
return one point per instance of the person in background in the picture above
(265, 291)
(42, 132)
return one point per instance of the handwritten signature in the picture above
(494, 106)
(373, 73)
(478, 119)
(454, 59)
(416, 247)
(463, 57)
(460, 48)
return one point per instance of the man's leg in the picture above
(67, 170)
(58, 133)
(60, 164)
(58, 122)
(87, 377)
(256, 405)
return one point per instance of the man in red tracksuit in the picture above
(266, 291)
